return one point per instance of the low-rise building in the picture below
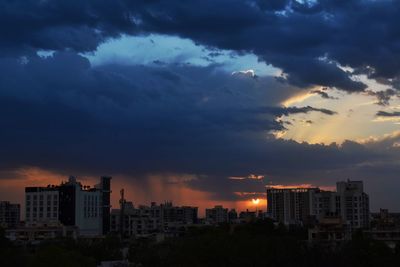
(150, 220)
(330, 229)
(247, 216)
(9, 214)
(217, 215)
(232, 216)
(39, 233)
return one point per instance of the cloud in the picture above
(383, 96)
(309, 41)
(62, 113)
(323, 94)
(388, 114)
(64, 116)
(294, 110)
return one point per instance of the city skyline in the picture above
(202, 102)
(253, 204)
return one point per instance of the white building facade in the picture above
(41, 205)
(70, 204)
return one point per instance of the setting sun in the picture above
(255, 201)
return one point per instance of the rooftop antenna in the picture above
(122, 202)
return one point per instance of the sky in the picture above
(201, 102)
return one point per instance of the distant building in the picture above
(36, 234)
(330, 229)
(304, 205)
(247, 216)
(149, 220)
(232, 216)
(385, 220)
(116, 263)
(70, 204)
(391, 237)
(385, 226)
(216, 215)
(9, 214)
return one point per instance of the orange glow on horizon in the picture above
(157, 188)
(279, 186)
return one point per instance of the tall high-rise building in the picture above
(290, 205)
(71, 204)
(9, 214)
(299, 205)
(105, 186)
(354, 203)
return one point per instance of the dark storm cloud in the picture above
(272, 5)
(306, 40)
(388, 114)
(64, 115)
(319, 165)
(61, 113)
(59, 25)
